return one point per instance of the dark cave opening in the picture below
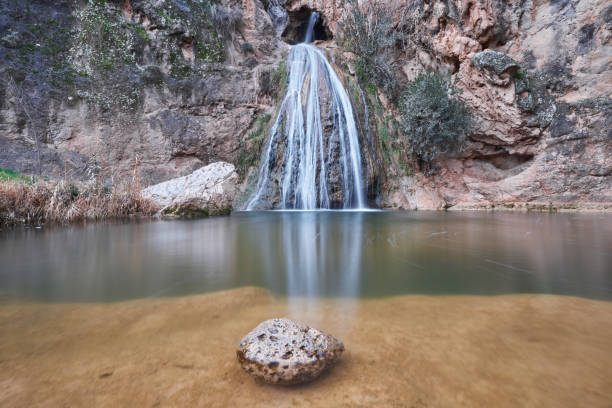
(298, 23)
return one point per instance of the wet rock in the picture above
(210, 190)
(283, 351)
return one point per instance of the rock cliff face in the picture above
(169, 87)
(537, 76)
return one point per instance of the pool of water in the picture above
(315, 254)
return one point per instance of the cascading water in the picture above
(312, 20)
(312, 168)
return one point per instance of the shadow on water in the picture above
(309, 255)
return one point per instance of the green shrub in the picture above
(73, 190)
(280, 75)
(369, 31)
(8, 175)
(433, 119)
(247, 48)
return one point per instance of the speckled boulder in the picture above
(283, 351)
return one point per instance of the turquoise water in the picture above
(314, 254)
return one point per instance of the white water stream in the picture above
(298, 144)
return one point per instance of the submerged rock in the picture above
(210, 190)
(283, 351)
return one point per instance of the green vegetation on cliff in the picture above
(99, 51)
(8, 175)
(434, 121)
(36, 47)
(103, 44)
(250, 148)
(367, 31)
(110, 48)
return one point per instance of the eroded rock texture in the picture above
(537, 76)
(102, 87)
(283, 351)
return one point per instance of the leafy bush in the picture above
(433, 119)
(368, 31)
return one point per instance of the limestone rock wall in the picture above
(164, 89)
(109, 87)
(543, 132)
(537, 76)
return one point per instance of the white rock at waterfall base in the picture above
(210, 190)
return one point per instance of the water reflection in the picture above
(308, 255)
(310, 245)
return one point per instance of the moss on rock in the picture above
(494, 61)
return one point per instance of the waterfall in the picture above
(303, 166)
(312, 20)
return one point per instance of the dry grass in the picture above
(60, 203)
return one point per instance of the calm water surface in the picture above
(315, 254)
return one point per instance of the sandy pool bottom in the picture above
(407, 351)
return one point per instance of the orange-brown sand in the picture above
(408, 351)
